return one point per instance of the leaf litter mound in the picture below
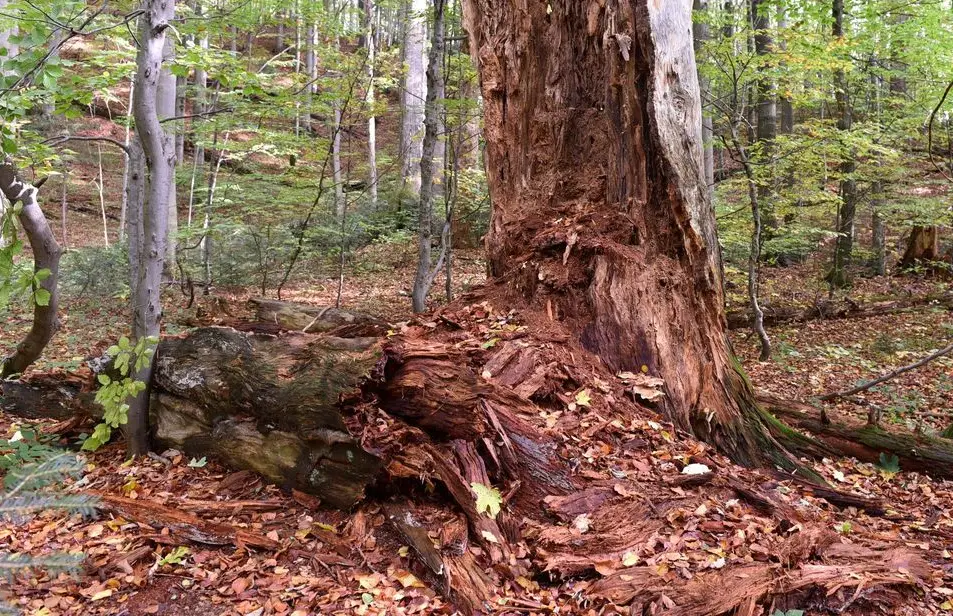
(656, 522)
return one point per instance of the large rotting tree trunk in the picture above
(216, 392)
(601, 214)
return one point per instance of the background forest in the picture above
(314, 166)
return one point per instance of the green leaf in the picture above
(42, 297)
(889, 465)
(199, 463)
(583, 398)
(488, 499)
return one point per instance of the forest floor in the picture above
(328, 562)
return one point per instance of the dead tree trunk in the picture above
(601, 214)
(46, 258)
(922, 247)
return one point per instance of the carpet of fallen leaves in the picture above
(330, 562)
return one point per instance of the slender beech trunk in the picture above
(754, 256)
(46, 256)
(311, 68)
(784, 100)
(152, 212)
(700, 37)
(181, 83)
(12, 49)
(199, 106)
(601, 216)
(371, 120)
(64, 209)
(413, 96)
(127, 168)
(165, 107)
(767, 110)
(843, 247)
(424, 277)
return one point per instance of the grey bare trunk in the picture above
(149, 223)
(424, 278)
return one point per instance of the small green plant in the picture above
(788, 613)
(889, 465)
(844, 527)
(198, 462)
(127, 360)
(176, 556)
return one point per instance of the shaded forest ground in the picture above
(329, 562)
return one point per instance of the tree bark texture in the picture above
(369, 99)
(216, 391)
(166, 97)
(601, 212)
(700, 35)
(46, 256)
(923, 246)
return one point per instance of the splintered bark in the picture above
(216, 392)
(601, 214)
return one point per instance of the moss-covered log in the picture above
(915, 452)
(265, 403)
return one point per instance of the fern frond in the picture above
(41, 474)
(12, 563)
(24, 506)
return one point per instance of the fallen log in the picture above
(915, 452)
(317, 319)
(47, 397)
(266, 404)
(837, 309)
